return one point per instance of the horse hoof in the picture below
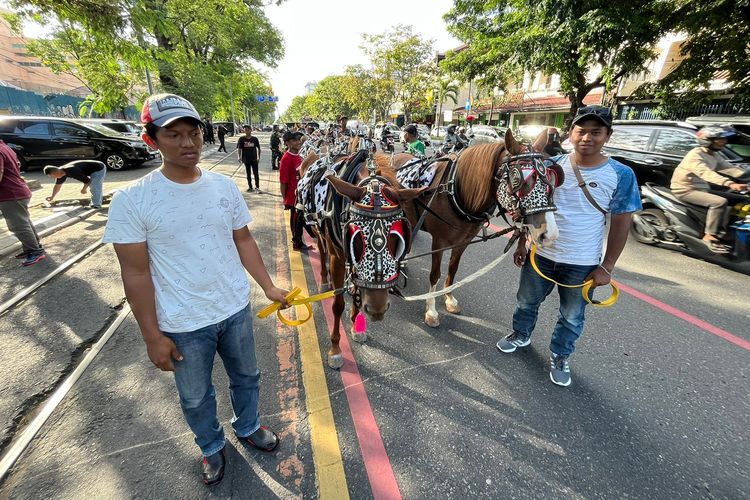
(335, 361)
(359, 337)
(432, 320)
(452, 306)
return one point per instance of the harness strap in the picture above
(585, 287)
(582, 184)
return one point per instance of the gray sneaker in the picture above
(559, 370)
(512, 342)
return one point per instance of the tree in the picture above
(296, 110)
(193, 46)
(444, 88)
(401, 60)
(329, 100)
(589, 44)
(717, 42)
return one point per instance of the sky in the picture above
(322, 37)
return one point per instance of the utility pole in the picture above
(231, 98)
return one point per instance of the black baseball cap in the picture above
(600, 113)
(288, 135)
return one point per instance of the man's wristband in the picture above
(606, 270)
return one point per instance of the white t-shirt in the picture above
(581, 241)
(196, 269)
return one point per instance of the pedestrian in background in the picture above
(288, 179)
(180, 234)
(248, 152)
(221, 132)
(14, 205)
(209, 131)
(606, 186)
(90, 172)
(275, 148)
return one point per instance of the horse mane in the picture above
(475, 170)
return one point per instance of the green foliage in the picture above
(402, 60)
(109, 68)
(329, 100)
(564, 37)
(717, 42)
(194, 47)
(296, 110)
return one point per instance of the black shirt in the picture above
(80, 170)
(250, 147)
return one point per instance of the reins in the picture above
(585, 287)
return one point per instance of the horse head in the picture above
(376, 236)
(526, 184)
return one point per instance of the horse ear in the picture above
(511, 144)
(541, 141)
(354, 193)
(402, 195)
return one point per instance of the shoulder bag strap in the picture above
(582, 184)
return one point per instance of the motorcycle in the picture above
(387, 144)
(669, 222)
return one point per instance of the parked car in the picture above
(44, 140)
(439, 131)
(124, 127)
(740, 122)
(654, 148)
(378, 132)
(483, 134)
(231, 130)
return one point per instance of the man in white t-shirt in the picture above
(181, 237)
(576, 255)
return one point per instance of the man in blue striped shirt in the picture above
(576, 255)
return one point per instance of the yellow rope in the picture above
(585, 286)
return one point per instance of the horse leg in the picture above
(335, 359)
(431, 316)
(357, 336)
(325, 279)
(451, 304)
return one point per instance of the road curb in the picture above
(46, 226)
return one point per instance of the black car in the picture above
(654, 148)
(124, 127)
(43, 140)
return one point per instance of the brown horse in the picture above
(364, 237)
(476, 188)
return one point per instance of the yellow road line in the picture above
(329, 465)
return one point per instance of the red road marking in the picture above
(693, 320)
(378, 465)
(703, 325)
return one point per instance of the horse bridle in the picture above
(371, 224)
(526, 184)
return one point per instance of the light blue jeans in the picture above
(233, 340)
(97, 187)
(533, 289)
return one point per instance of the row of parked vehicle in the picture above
(44, 140)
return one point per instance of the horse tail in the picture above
(475, 170)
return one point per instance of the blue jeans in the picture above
(533, 289)
(233, 340)
(97, 186)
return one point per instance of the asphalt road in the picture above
(658, 407)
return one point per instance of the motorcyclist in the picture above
(462, 137)
(701, 166)
(553, 147)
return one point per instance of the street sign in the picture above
(448, 115)
(467, 107)
(260, 98)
